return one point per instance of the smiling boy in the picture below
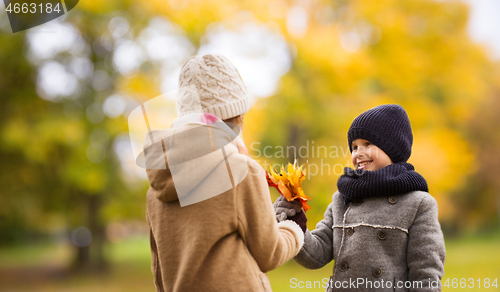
(367, 156)
(382, 225)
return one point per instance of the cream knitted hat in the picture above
(219, 88)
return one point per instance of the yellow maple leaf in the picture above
(289, 183)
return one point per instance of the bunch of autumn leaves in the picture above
(288, 183)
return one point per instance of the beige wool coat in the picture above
(224, 243)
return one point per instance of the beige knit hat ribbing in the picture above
(220, 90)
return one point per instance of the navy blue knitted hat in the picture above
(388, 127)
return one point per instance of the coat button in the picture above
(382, 235)
(393, 200)
(349, 231)
(344, 267)
(377, 272)
(357, 202)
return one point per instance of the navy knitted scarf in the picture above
(397, 178)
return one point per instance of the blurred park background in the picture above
(72, 200)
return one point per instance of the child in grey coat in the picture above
(382, 226)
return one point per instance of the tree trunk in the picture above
(98, 231)
(82, 258)
(91, 258)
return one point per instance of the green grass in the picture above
(31, 254)
(41, 267)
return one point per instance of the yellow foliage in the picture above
(445, 160)
(140, 86)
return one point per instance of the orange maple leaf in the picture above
(288, 183)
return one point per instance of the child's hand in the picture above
(284, 209)
(291, 211)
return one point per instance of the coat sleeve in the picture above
(318, 244)
(426, 249)
(270, 243)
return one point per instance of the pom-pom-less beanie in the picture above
(388, 127)
(219, 88)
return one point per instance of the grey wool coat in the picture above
(379, 244)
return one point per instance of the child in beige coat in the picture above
(212, 224)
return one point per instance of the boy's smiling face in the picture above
(367, 156)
